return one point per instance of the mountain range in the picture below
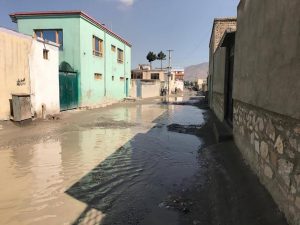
(195, 72)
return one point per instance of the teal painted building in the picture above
(100, 58)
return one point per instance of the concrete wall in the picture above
(111, 87)
(133, 88)
(268, 56)
(44, 79)
(149, 88)
(266, 97)
(14, 67)
(218, 74)
(219, 70)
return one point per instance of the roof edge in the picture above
(218, 20)
(82, 14)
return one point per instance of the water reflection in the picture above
(119, 159)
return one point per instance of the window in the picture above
(121, 78)
(113, 48)
(113, 78)
(97, 76)
(45, 53)
(97, 46)
(54, 35)
(120, 56)
(154, 76)
(136, 76)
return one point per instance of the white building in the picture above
(44, 77)
(30, 67)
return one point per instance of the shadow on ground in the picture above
(175, 174)
(130, 185)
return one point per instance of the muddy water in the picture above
(114, 169)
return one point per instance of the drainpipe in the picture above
(105, 63)
(125, 70)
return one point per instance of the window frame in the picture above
(113, 48)
(120, 60)
(97, 76)
(156, 76)
(56, 36)
(97, 53)
(45, 54)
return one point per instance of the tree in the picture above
(151, 57)
(161, 56)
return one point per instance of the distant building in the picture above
(147, 82)
(146, 75)
(28, 66)
(220, 25)
(176, 80)
(94, 61)
(178, 74)
(144, 72)
(202, 84)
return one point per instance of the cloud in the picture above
(127, 3)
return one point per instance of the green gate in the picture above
(68, 90)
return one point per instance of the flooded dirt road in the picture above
(130, 164)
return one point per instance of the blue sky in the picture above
(149, 25)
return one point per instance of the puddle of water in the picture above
(98, 168)
(183, 115)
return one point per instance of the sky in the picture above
(149, 25)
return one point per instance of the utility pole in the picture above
(169, 68)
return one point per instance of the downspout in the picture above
(125, 83)
(105, 64)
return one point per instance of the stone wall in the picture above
(220, 26)
(270, 143)
(218, 105)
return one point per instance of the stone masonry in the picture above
(219, 28)
(218, 105)
(270, 143)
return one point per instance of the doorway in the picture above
(229, 85)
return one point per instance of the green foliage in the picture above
(161, 56)
(151, 57)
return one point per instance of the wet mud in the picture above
(140, 164)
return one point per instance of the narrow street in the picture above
(143, 163)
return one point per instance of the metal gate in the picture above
(138, 88)
(68, 90)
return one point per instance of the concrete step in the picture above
(222, 132)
